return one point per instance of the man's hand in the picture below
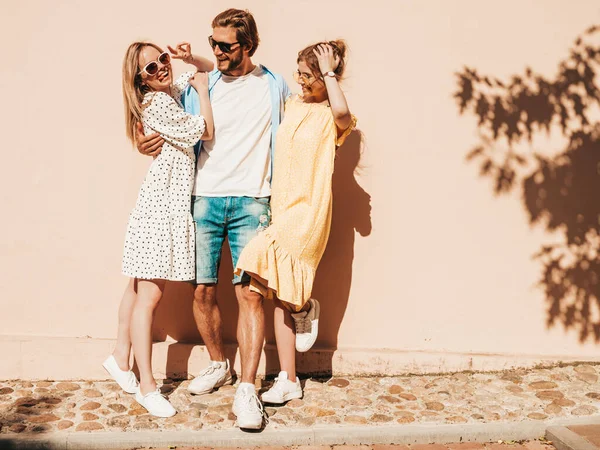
(148, 145)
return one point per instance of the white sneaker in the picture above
(248, 408)
(217, 374)
(307, 326)
(283, 390)
(155, 403)
(124, 378)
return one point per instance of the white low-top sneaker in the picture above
(155, 403)
(217, 374)
(248, 408)
(124, 378)
(307, 326)
(283, 390)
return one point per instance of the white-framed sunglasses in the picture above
(151, 68)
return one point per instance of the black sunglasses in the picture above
(225, 47)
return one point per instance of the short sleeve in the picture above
(164, 115)
(341, 138)
(289, 100)
(285, 90)
(181, 83)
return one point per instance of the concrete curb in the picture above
(564, 439)
(322, 435)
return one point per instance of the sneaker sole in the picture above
(250, 426)
(308, 347)
(286, 398)
(317, 306)
(228, 380)
(133, 391)
(247, 426)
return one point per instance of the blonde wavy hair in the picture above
(133, 88)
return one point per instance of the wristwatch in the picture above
(329, 74)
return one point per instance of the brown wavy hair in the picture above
(308, 56)
(243, 21)
(133, 89)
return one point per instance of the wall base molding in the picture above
(56, 358)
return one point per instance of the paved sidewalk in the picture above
(515, 396)
(591, 433)
(525, 445)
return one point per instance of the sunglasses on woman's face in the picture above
(152, 67)
(225, 47)
(305, 78)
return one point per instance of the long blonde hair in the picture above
(133, 88)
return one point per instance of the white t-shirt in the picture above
(237, 162)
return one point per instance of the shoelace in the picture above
(303, 325)
(208, 371)
(277, 386)
(154, 396)
(253, 402)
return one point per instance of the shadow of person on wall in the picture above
(560, 189)
(351, 214)
(174, 319)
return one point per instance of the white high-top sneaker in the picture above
(217, 374)
(248, 408)
(307, 326)
(283, 390)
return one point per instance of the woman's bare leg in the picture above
(285, 335)
(123, 347)
(149, 293)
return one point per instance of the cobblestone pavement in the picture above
(517, 395)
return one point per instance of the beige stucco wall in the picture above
(426, 270)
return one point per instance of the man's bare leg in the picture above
(208, 320)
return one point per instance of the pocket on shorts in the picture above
(262, 200)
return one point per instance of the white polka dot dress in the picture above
(160, 239)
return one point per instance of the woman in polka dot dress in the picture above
(159, 244)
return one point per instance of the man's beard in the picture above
(234, 63)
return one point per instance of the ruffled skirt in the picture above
(160, 246)
(275, 272)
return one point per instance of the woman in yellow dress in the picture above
(282, 259)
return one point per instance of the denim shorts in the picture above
(237, 218)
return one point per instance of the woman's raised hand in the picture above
(182, 51)
(199, 81)
(328, 61)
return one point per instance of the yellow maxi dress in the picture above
(282, 259)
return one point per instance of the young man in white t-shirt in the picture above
(231, 197)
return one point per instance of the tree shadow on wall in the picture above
(560, 189)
